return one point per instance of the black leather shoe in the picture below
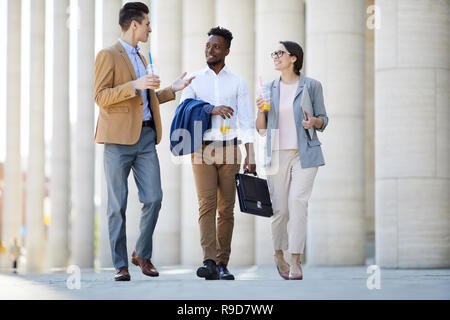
(208, 270)
(224, 274)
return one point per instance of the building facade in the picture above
(385, 69)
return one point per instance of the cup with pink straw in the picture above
(265, 95)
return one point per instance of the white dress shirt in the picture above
(228, 89)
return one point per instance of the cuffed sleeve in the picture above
(208, 108)
(319, 106)
(165, 95)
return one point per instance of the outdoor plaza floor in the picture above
(252, 283)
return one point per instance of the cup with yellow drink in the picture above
(225, 127)
(266, 98)
(264, 95)
(153, 69)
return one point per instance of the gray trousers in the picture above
(143, 160)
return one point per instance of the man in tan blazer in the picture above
(129, 124)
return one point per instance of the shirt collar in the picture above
(128, 48)
(225, 69)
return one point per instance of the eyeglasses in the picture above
(279, 54)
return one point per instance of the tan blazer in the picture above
(121, 108)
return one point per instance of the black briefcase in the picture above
(253, 194)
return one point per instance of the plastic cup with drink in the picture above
(265, 95)
(153, 70)
(225, 127)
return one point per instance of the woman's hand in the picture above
(312, 122)
(309, 122)
(260, 103)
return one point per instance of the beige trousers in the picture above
(214, 173)
(290, 189)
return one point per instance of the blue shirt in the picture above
(140, 70)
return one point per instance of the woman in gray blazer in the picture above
(293, 153)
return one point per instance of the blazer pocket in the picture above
(314, 143)
(117, 109)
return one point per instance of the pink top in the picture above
(287, 133)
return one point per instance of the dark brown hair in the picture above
(132, 11)
(296, 50)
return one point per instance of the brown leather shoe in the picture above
(122, 274)
(146, 265)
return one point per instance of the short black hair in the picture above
(132, 11)
(296, 50)
(226, 34)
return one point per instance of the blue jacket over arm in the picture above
(192, 118)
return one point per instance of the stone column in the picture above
(110, 33)
(58, 245)
(274, 21)
(110, 22)
(166, 51)
(335, 55)
(412, 134)
(35, 242)
(238, 17)
(12, 192)
(370, 139)
(198, 18)
(83, 213)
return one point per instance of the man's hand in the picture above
(147, 82)
(179, 83)
(223, 111)
(251, 167)
(249, 162)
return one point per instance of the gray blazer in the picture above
(309, 151)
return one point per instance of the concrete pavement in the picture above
(254, 282)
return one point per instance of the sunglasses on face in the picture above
(279, 54)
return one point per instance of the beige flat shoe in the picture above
(296, 276)
(284, 275)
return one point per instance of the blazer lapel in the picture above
(301, 85)
(126, 59)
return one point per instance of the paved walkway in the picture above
(256, 282)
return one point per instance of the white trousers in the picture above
(290, 189)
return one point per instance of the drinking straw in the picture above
(227, 119)
(261, 86)
(150, 59)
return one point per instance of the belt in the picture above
(222, 143)
(147, 123)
